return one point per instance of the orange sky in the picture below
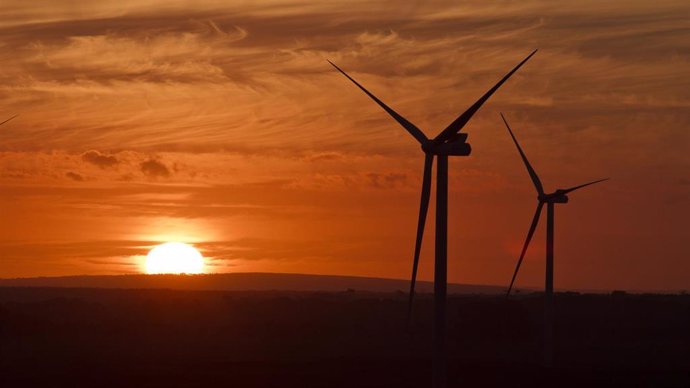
(223, 125)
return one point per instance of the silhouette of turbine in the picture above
(558, 196)
(8, 119)
(450, 142)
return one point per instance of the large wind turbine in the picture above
(449, 142)
(558, 196)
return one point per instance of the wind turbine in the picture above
(558, 196)
(449, 142)
(8, 119)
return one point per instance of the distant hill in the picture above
(244, 282)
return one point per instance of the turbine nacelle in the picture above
(556, 197)
(455, 146)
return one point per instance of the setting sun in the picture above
(174, 257)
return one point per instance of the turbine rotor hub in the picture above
(456, 146)
(553, 198)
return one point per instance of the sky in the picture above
(221, 124)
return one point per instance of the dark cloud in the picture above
(324, 157)
(75, 250)
(13, 175)
(261, 249)
(99, 159)
(254, 249)
(74, 176)
(388, 180)
(154, 169)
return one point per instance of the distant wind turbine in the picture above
(8, 119)
(558, 196)
(449, 142)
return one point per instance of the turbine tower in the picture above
(558, 196)
(449, 142)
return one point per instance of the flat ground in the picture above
(57, 337)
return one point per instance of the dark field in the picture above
(53, 337)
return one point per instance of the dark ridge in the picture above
(244, 282)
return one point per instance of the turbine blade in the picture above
(8, 119)
(535, 221)
(530, 170)
(423, 207)
(460, 122)
(411, 128)
(566, 191)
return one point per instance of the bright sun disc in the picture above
(174, 257)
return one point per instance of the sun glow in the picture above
(174, 257)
